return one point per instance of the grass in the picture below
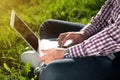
(34, 12)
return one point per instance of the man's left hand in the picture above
(52, 54)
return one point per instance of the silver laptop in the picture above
(28, 35)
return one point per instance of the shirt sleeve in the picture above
(103, 43)
(99, 22)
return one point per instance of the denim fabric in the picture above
(87, 68)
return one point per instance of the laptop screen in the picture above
(26, 33)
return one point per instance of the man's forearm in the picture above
(103, 43)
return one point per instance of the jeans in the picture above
(86, 68)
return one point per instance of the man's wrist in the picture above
(67, 54)
(85, 34)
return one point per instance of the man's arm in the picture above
(104, 42)
(101, 20)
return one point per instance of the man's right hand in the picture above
(75, 37)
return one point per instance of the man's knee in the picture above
(46, 23)
(45, 29)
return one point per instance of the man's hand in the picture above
(75, 37)
(52, 54)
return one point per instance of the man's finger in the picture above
(43, 58)
(48, 60)
(61, 37)
(68, 37)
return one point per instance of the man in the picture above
(86, 57)
(102, 34)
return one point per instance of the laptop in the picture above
(29, 36)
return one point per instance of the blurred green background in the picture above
(34, 12)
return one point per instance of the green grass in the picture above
(34, 12)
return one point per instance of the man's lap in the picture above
(88, 68)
